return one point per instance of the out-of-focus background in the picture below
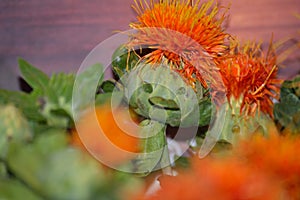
(57, 35)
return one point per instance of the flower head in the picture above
(174, 30)
(250, 77)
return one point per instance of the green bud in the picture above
(159, 93)
(13, 127)
(123, 61)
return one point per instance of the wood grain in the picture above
(57, 35)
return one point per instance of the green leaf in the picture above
(14, 189)
(287, 111)
(27, 103)
(291, 86)
(50, 102)
(50, 99)
(57, 108)
(57, 116)
(54, 95)
(62, 85)
(37, 79)
(85, 87)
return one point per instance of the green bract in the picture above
(237, 126)
(159, 93)
(230, 125)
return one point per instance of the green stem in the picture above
(165, 162)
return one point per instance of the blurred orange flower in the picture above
(110, 135)
(211, 179)
(251, 76)
(277, 156)
(259, 168)
(174, 30)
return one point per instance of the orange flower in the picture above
(110, 135)
(260, 168)
(277, 156)
(211, 179)
(177, 30)
(250, 76)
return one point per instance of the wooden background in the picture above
(56, 35)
